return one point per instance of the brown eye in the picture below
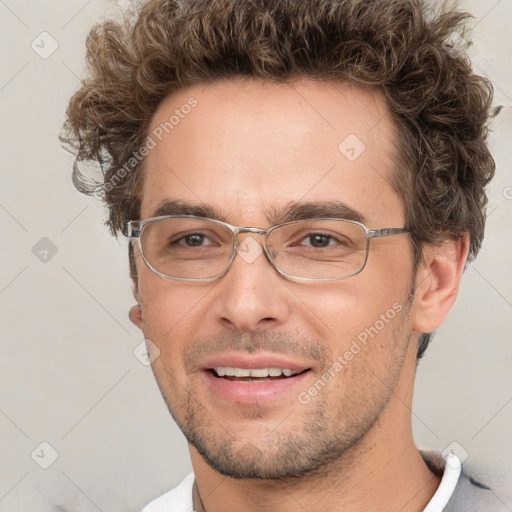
(194, 240)
(319, 240)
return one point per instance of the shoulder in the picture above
(178, 499)
(482, 488)
(479, 487)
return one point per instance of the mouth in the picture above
(255, 374)
(262, 378)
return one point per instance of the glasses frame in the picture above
(134, 230)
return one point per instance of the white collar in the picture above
(452, 471)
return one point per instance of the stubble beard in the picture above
(311, 448)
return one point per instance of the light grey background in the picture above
(68, 373)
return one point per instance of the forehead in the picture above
(246, 147)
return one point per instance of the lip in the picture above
(256, 392)
(252, 361)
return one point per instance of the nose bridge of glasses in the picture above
(243, 230)
(257, 231)
(237, 243)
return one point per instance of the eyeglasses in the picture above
(198, 249)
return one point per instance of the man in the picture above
(302, 183)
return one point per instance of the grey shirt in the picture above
(471, 493)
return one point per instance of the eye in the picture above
(322, 240)
(318, 240)
(192, 240)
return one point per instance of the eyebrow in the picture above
(313, 209)
(275, 215)
(180, 207)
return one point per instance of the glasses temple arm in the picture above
(131, 229)
(377, 233)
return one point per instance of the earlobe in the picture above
(135, 312)
(437, 283)
(135, 315)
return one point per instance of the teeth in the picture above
(222, 371)
(259, 372)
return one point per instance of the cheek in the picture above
(175, 316)
(361, 319)
(368, 346)
(173, 313)
(345, 306)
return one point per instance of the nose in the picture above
(252, 295)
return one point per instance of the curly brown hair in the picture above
(401, 47)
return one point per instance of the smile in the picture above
(257, 373)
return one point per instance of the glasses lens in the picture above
(319, 249)
(187, 248)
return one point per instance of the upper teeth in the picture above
(253, 372)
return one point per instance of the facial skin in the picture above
(248, 149)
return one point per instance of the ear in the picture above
(135, 315)
(135, 312)
(437, 283)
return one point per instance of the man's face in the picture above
(246, 150)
